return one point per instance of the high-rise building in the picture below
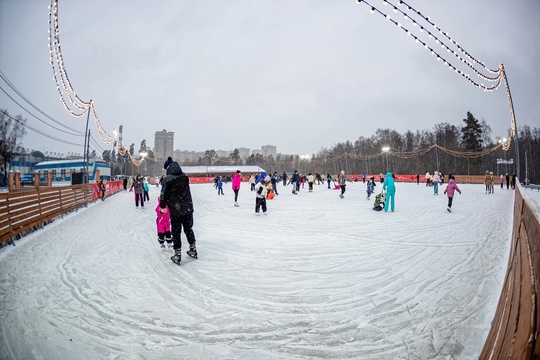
(163, 144)
(269, 150)
(243, 152)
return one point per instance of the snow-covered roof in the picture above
(220, 169)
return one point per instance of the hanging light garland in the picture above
(468, 59)
(71, 101)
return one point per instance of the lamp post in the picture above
(526, 169)
(503, 142)
(143, 154)
(386, 149)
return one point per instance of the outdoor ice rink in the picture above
(319, 277)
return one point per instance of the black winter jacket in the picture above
(175, 191)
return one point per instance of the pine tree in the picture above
(471, 134)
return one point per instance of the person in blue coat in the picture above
(390, 188)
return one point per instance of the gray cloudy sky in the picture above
(297, 74)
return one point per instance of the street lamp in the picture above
(143, 154)
(386, 149)
(526, 169)
(503, 142)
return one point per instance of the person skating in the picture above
(163, 223)
(236, 181)
(390, 188)
(342, 179)
(449, 191)
(261, 190)
(176, 195)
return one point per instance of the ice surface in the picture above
(319, 277)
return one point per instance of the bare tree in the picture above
(12, 130)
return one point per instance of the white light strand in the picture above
(439, 56)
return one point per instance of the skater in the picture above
(130, 184)
(295, 181)
(329, 180)
(236, 181)
(379, 202)
(102, 189)
(311, 180)
(284, 177)
(491, 183)
(390, 188)
(417, 179)
(163, 223)
(487, 182)
(449, 191)
(501, 180)
(252, 182)
(260, 197)
(146, 188)
(507, 181)
(435, 180)
(138, 189)
(274, 181)
(219, 186)
(370, 187)
(176, 196)
(342, 179)
(364, 178)
(124, 183)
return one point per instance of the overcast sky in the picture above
(297, 74)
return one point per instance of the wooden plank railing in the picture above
(22, 211)
(515, 328)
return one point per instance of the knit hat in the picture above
(168, 162)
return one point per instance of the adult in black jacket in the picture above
(175, 194)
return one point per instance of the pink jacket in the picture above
(236, 180)
(163, 220)
(451, 187)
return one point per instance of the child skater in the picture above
(370, 187)
(163, 223)
(260, 196)
(219, 186)
(450, 189)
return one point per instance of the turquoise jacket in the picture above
(389, 185)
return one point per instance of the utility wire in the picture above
(46, 123)
(38, 131)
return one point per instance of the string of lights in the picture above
(469, 60)
(367, 157)
(63, 84)
(439, 57)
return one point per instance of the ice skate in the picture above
(177, 257)
(449, 210)
(163, 247)
(192, 252)
(236, 204)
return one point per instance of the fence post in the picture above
(10, 181)
(17, 180)
(36, 179)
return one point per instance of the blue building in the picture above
(61, 169)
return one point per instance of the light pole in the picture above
(503, 143)
(386, 149)
(143, 154)
(526, 169)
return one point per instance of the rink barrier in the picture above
(515, 327)
(24, 211)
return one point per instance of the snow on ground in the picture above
(319, 277)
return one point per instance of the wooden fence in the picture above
(515, 327)
(26, 210)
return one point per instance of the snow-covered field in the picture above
(319, 277)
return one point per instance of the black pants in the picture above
(342, 189)
(235, 195)
(260, 203)
(137, 198)
(185, 221)
(450, 201)
(146, 196)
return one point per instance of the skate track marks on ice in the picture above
(319, 277)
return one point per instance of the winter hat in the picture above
(167, 163)
(267, 178)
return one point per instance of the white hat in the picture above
(267, 178)
(342, 172)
